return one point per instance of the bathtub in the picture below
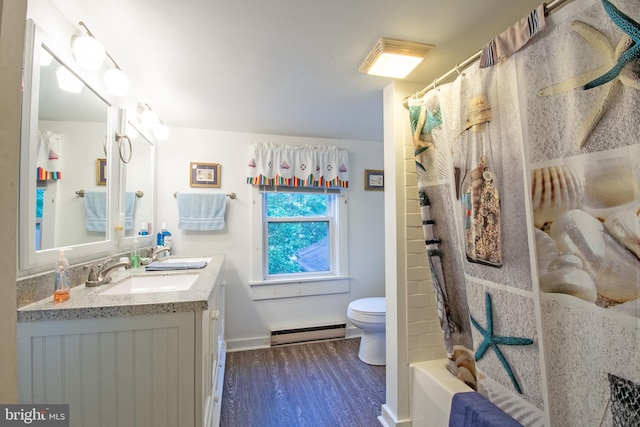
(432, 388)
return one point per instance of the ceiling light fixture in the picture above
(394, 58)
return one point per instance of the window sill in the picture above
(291, 288)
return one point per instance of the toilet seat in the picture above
(369, 310)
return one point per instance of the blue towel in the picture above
(161, 266)
(201, 211)
(95, 208)
(129, 208)
(471, 409)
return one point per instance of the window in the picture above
(300, 236)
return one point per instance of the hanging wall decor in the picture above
(101, 172)
(373, 180)
(204, 175)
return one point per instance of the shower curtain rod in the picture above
(457, 70)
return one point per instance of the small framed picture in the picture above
(101, 172)
(204, 175)
(373, 180)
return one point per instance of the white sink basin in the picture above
(156, 283)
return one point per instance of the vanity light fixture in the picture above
(161, 131)
(116, 82)
(394, 58)
(89, 53)
(87, 50)
(150, 120)
(147, 117)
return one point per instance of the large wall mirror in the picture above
(138, 179)
(66, 134)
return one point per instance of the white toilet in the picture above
(368, 314)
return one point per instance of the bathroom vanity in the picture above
(128, 354)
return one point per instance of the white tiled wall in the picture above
(425, 341)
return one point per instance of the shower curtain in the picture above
(551, 333)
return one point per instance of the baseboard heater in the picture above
(309, 334)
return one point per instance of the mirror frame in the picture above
(126, 119)
(31, 260)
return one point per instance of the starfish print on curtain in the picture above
(626, 76)
(492, 340)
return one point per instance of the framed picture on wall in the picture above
(204, 175)
(373, 180)
(101, 172)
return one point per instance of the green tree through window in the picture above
(298, 232)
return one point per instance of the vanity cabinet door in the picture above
(213, 354)
(132, 371)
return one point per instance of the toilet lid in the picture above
(371, 306)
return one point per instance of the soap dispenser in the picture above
(62, 282)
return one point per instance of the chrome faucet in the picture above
(157, 250)
(101, 274)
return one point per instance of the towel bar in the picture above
(139, 193)
(230, 195)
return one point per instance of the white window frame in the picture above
(336, 280)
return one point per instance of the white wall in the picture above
(248, 322)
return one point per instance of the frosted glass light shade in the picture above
(116, 82)
(394, 58)
(67, 81)
(161, 132)
(148, 118)
(394, 65)
(88, 52)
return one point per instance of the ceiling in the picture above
(281, 67)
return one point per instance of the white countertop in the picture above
(89, 303)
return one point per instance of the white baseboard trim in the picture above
(248, 344)
(353, 332)
(388, 419)
(265, 342)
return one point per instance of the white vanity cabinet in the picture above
(212, 347)
(157, 369)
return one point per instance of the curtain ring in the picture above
(458, 70)
(120, 148)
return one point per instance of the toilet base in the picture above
(373, 348)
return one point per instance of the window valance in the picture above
(305, 166)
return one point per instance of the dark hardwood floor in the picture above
(321, 384)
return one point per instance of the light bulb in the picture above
(161, 132)
(88, 52)
(148, 118)
(116, 82)
(67, 81)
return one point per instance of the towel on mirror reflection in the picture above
(198, 211)
(161, 266)
(129, 208)
(471, 409)
(95, 208)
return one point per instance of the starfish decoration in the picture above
(632, 29)
(626, 76)
(491, 340)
